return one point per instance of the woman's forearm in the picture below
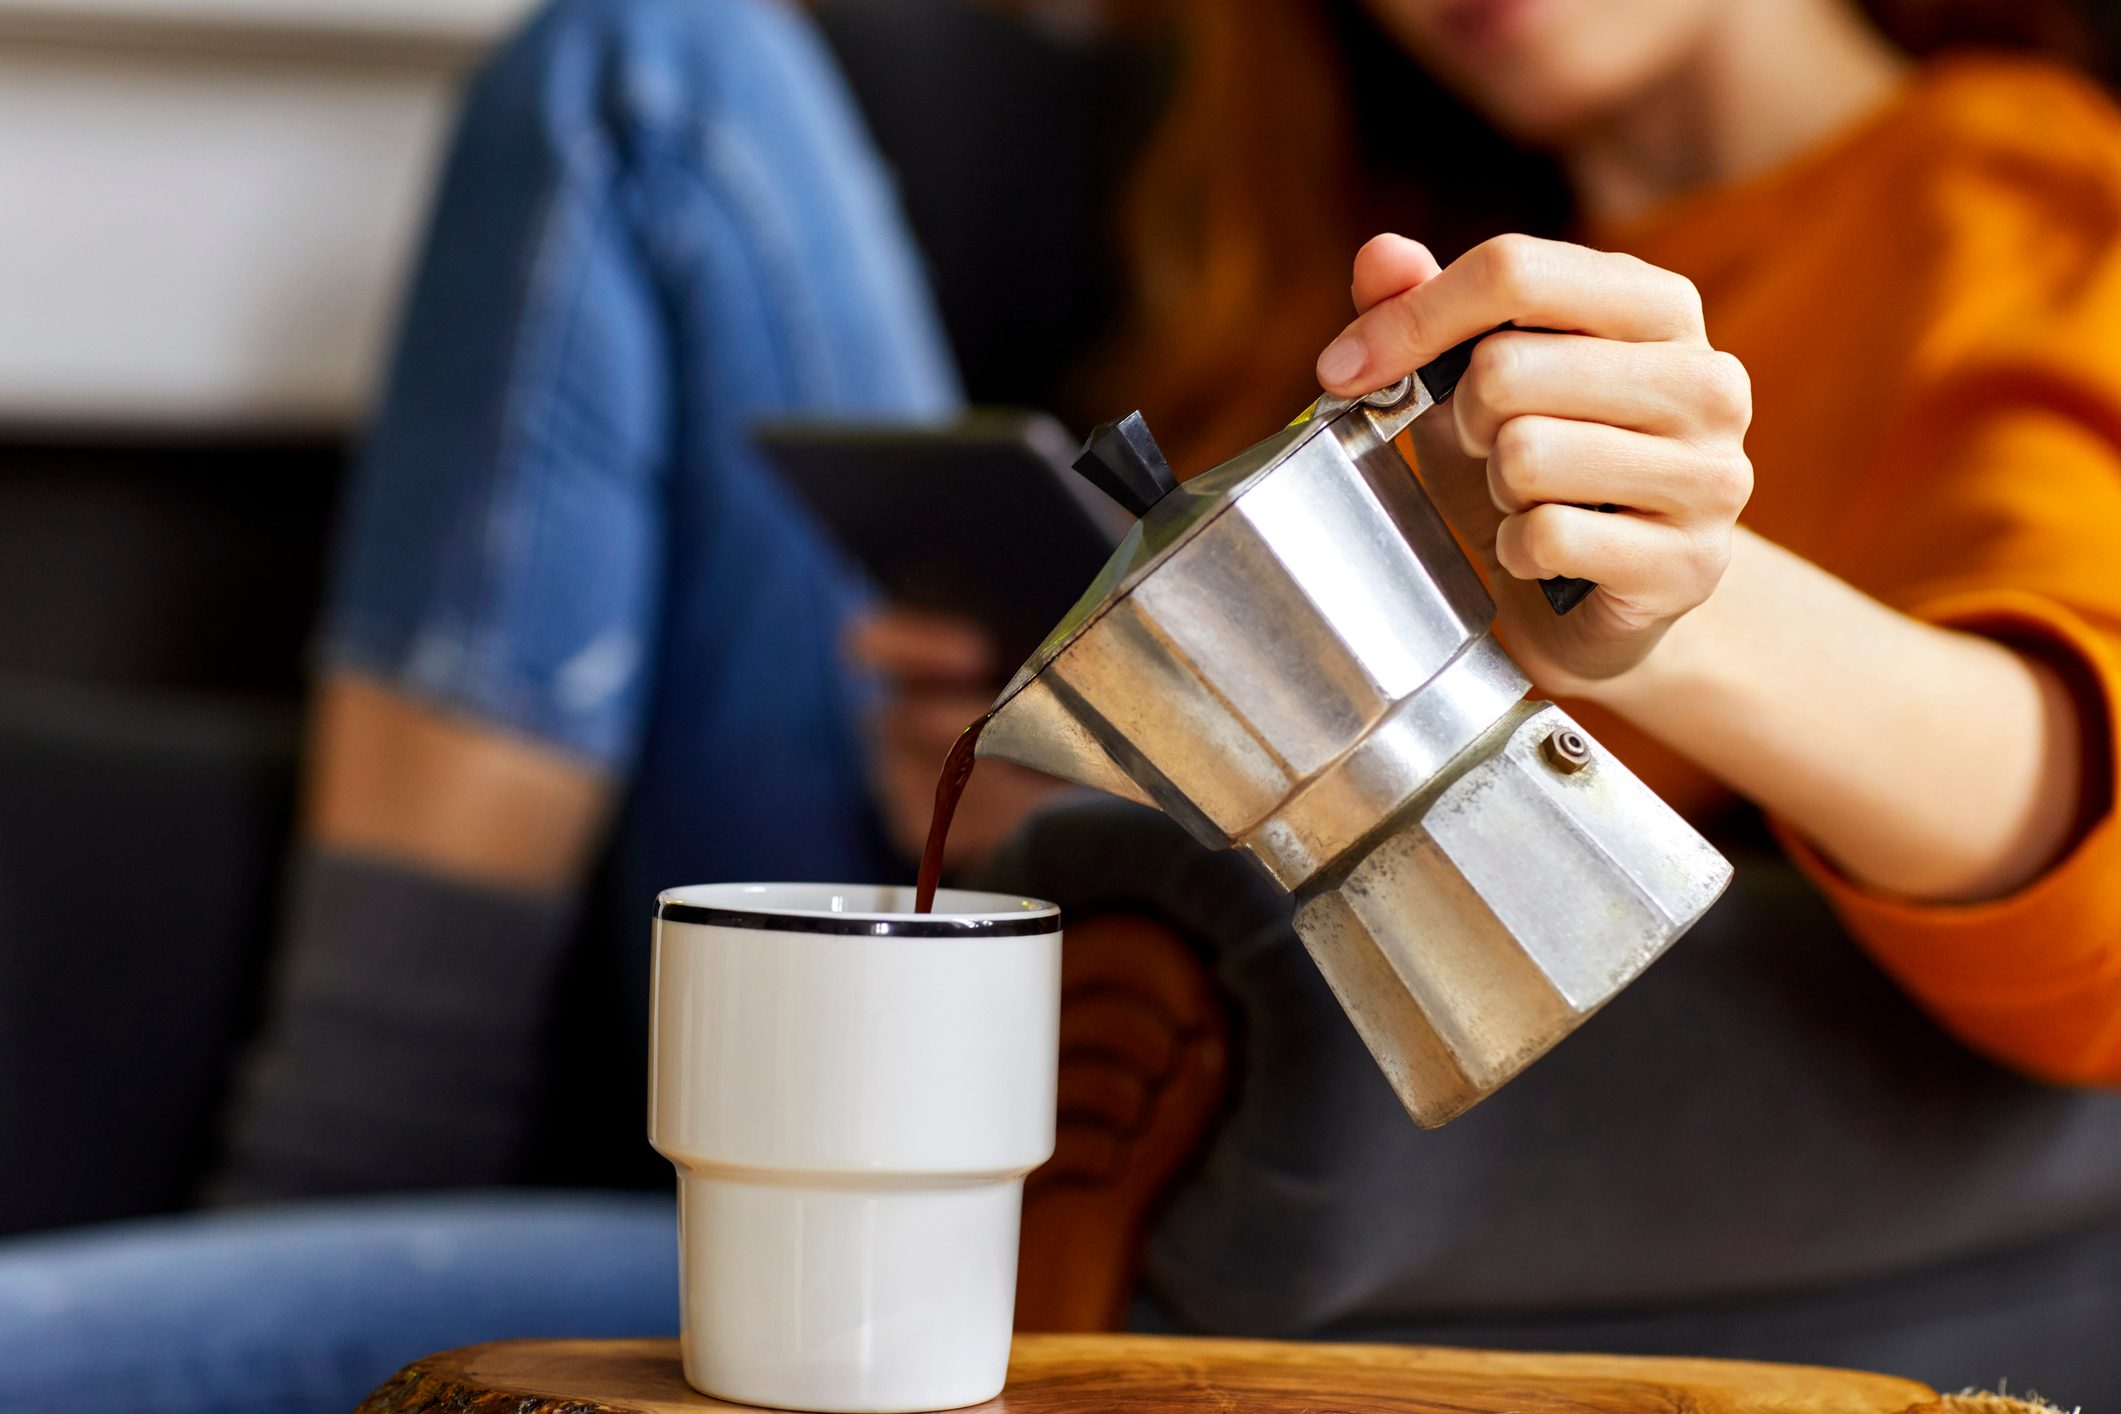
(1926, 763)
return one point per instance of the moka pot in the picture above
(1290, 655)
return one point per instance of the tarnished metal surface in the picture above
(1487, 923)
(1332, 811)
(1291, 655)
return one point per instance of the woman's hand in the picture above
(1824, 706)
(1623, 404)
(941, 673)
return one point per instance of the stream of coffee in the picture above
(957, 769)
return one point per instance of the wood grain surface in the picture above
(1075, 1374)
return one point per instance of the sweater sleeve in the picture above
(2015, 535)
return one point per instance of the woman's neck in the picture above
(1771, 80)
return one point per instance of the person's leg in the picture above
(753, 732)
(565, 576)
(287, 1311)
(661, 224)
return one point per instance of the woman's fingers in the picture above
(1388, 265)
(1678, 390)
(1593, 386)
(1535, 460)
(1522, 280)
(929, 722)
(1655, 567)
(917, 647)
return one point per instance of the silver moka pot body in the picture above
(1291, 655)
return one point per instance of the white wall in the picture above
(457, 22)
(206, 205)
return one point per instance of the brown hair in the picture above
(1273, 161)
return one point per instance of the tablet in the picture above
(983, 518)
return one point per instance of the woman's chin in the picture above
(1545, 118)
(1482, 29)
(1544, 69)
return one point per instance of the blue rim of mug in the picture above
(857, 925)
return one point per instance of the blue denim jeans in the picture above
(659, 223)
(283, 1311)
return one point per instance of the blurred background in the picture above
(207, 208)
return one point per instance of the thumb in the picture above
(1390, 265)
(1386, 267)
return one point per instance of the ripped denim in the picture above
(660, 222)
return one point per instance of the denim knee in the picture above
(641, 68)
(660, 222)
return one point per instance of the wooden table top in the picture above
(1075, 1374)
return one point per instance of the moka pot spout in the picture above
(1034, 727)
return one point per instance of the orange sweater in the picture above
(1931, 312)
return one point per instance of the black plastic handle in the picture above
(1565, 593)
(1122, 460)
(1440, 376)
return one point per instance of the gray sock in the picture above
(403, 1039)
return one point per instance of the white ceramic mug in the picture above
(852, 1094)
